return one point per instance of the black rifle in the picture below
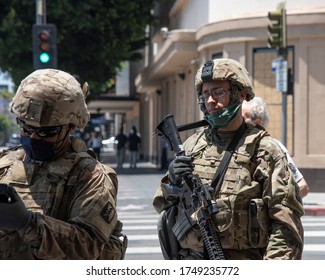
(6, 196)
(199, 202)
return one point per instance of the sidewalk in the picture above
(314, 204)
(142, 168)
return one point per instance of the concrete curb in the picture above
(314, 204)
(316, 210)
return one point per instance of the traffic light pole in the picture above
(40, 12)
(284, 119)
(277, 30)
(44, 39)
(285, 93)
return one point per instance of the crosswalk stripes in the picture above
(314, 237)
(139, 220)
(141, 229)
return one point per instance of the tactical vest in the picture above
(48, 195)
(233, 221)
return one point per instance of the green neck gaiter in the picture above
(223, 117)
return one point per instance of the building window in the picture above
(217, 55)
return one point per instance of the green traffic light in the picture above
(44, 57)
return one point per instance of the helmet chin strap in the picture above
(59, 144)
(235, 94)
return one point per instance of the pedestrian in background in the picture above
(255, 113)
(57, 201)
(122, 141)
(134, 146)
(257, 200)
(95, 142)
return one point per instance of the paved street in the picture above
(136, 190)
(314, 231)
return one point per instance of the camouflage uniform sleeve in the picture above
(91, 218)
(281, 195)
(162, 200)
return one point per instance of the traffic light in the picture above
(44, 46)
(277, 37)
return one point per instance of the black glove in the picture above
(179, 168)
(13, 213)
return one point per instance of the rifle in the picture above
(5, 196)
(199, 203)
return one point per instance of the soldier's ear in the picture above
(242, 95)
(71, 127)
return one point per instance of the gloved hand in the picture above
(13, 213)
(179, 168)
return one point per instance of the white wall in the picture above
(196, 13)
(5, 80)
(240, 8)
(123, 81)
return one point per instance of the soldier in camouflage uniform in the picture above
(56, 200)
(258, 174)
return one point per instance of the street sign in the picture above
(281, 76)
(275, 63)
(280, 67)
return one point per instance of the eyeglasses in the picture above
(215, 93)
(44, 132)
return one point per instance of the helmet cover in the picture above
(50, 97)
(225, 69)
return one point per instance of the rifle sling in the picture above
(220, 173)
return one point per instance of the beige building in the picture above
(193, 31)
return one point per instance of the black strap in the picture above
(220, 173)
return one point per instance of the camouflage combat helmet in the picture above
(51, 97)
(225, 69)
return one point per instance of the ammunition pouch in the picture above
(258, 223)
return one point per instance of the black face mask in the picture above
(38, 149)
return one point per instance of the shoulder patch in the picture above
(297, 192)
(108, 212)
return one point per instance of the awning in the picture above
(112, 104)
